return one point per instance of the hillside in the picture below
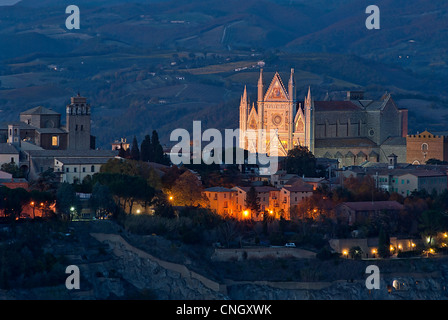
(148, 65)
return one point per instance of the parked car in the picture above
(290, 245)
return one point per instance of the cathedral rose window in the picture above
(277, 119)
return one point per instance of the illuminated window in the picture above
(55, 141)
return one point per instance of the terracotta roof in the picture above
(6, 148)
(258, 188)
(39, 110)
(425, 173)
(297, 184)
(300, 188)
(336, 106)
(218, 189)
(344, 142)
(373, 205)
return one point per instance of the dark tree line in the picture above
(150, 150)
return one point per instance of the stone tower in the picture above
(14, 134)
(78, 124)
(309, 121)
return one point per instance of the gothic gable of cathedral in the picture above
(354, 130)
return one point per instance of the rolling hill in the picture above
(160, 64)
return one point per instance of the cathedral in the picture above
(40, 141)
(354, 131)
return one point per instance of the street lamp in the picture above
(32, 205)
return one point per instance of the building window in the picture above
(82, 127)
(74, 169)
(424, 147)
(55, 141)
(83, 169)
(67, 169)
(92, 169)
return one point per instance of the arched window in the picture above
(424, 147)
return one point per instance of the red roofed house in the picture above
(292, 195)
(263, 196)
(358, 212)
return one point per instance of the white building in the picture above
(76, 169)
(8, 154)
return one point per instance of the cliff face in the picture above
(415, 289)
(122, 271)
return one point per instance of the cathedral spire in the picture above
(291, 86)
(307, 103)
(260, 86)
(244, 101)
(244, 96)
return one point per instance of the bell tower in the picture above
(78, 123)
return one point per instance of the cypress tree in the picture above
(383, 243)
(135, 152)
(157, 150)
(252, 201)
(145, 149)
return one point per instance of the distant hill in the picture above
(161, 64)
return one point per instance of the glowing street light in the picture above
(32, 204)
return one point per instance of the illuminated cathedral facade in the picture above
(354, 130)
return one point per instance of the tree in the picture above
(42, 199)
(102, 201)
(187, 190)
(126, 189)
(157, 150)
(253, 201)
(135, 152)
(432, 222)
(47, 181)
(121, 152)
(67, 203)
(356, 252)
(301, 161)
(13, 169)
(163, 207)
(383, 243)
(13, 201)
(146, 149)
(436, 161)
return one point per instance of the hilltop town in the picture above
(360, 203)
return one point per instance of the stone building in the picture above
(221, 200)
(352, 131)
(42, 127)
(39, 137)
(423, 146)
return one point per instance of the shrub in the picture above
(326, 254)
